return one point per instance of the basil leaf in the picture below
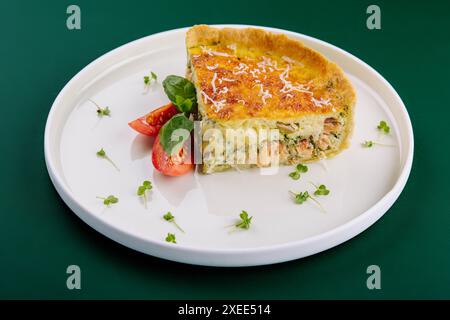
(181, 92)
(175, 132)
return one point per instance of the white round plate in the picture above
(364, 182)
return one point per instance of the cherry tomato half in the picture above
(151, 123)
(176, 165)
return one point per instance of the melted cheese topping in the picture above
(238, 83)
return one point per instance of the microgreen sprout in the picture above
(102, 154)
(142, 190)
(171, 238)
(370, 144)
(243, 223)
(383, 127)
(294, 175)
(148, 80)
(101, 111)
(321, 190)
(300, 168)
(301, 197)
(109, 200)
(170, 218)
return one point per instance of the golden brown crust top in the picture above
(251, 73)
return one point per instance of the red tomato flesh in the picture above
(151, 123)
(176, 165)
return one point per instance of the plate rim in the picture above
(205, 256)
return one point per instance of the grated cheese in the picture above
(242, 68)
(210, 52)
(218, 105)
(269, 63)
(287, 59)
(224, 90)
(320, 102)
(288, 86)
(254, 72)
(212, 67)
(213, 82)
(264, 94)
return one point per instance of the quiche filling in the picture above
(296, 142)
(249, 79)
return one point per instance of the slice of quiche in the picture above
(253, 79)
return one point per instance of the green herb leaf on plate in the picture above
(175, 132)
(101, 111)
(109, 200)
(102, 154)
(245, 221)
(148, 80)
(170, 218)
(142, 191)
(301, 168)
(383, 127)
(171, 238)
(181, 92)
(370, 144)
(302, 197)
(322, 191)
(294, 175)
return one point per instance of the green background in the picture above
(40, 236)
